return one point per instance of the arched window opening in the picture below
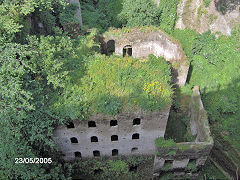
(127, 51)
(74, 140)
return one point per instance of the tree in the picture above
(139, 13)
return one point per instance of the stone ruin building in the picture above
(134, 133)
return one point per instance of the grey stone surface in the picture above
(201, 161)
(152, 125)
(180, 164)
(158, 164)
(194, 15)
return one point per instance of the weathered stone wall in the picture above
(151, 126)
(188, 157)
(220, 16)
(148, 42)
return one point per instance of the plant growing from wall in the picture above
(191, 166)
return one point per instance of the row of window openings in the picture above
(136, 121)
(113, 138)
(96, 153)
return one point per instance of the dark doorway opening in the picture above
(133, 168)
(110, 47)
(96, 153)
(98, 171)
(78, 154)
(127, 51)
(114, 152)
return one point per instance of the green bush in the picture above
(108, 104)
(139, 13)
(67, 15)
(207, 2)
(168, 12)
(161, 142)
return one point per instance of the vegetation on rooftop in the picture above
(113, 84)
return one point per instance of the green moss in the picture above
(184, 147)
(206, 2)
(210, 171)
(201, 10)
(191, 166)
(119, 168)
(212, 18)
(172, 153)
(167, 166)
(161, 142)
(187, 13)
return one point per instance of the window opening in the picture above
(91, 124)
(127, 51)
(114, 152)
(137, 121)
(70, 125)
(96, 153)
(94, 139)
(114, 138)
(135, 136)
(74, 140)
(113, 123)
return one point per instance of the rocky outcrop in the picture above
(78, 13)
(218, 16)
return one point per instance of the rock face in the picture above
(78, 13)
(218, 16)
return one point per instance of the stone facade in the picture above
(134, 133)
(140, 44)
(127, 133)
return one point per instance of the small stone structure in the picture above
(128, 133)
(140, 43)
(185, 159)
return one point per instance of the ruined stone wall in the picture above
(185, 159)
(134, 133)
(144, 43)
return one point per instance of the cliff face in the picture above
(203, 15)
